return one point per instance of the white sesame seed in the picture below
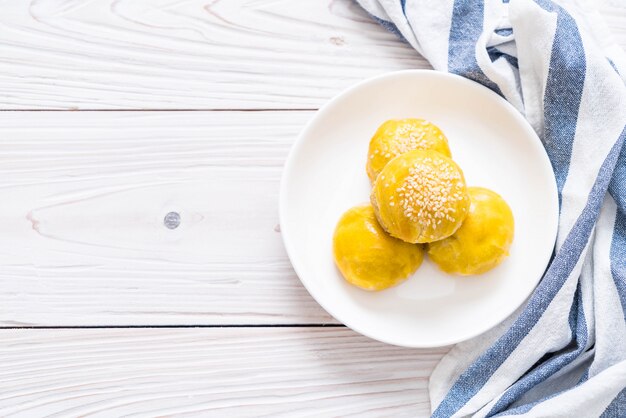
(429, 191)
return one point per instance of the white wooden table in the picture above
(121, 111)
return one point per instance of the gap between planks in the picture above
(239, 373)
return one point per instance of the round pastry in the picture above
(420, 196)
(482, 242)
(397, 136)
(367, 256)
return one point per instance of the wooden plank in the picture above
(172, 54)
(228, 372)
(84, 197)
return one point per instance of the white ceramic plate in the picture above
(496, 148)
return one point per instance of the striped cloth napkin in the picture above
(562, 354)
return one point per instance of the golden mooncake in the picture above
(397, 136)
(367, 256)
(482, 242)
(420, 196)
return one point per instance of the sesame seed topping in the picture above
(430, 192)
(407, 137)
(411, 139)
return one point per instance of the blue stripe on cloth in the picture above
(465, 29)
(617, 188)
(618, 258)
(504, 31)
(614, 66)
(564, 87)
(495, 53)
(548, 365)
(617, 253)
(617, 408)
(390, 26)
(474, 378)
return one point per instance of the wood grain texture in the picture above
(210, 372)
(196, 54)
(84, 196)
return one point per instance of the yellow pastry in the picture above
(397, 136)
(482, 242)
(420, 196)
(367, 256)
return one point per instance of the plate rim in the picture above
(298, 143)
